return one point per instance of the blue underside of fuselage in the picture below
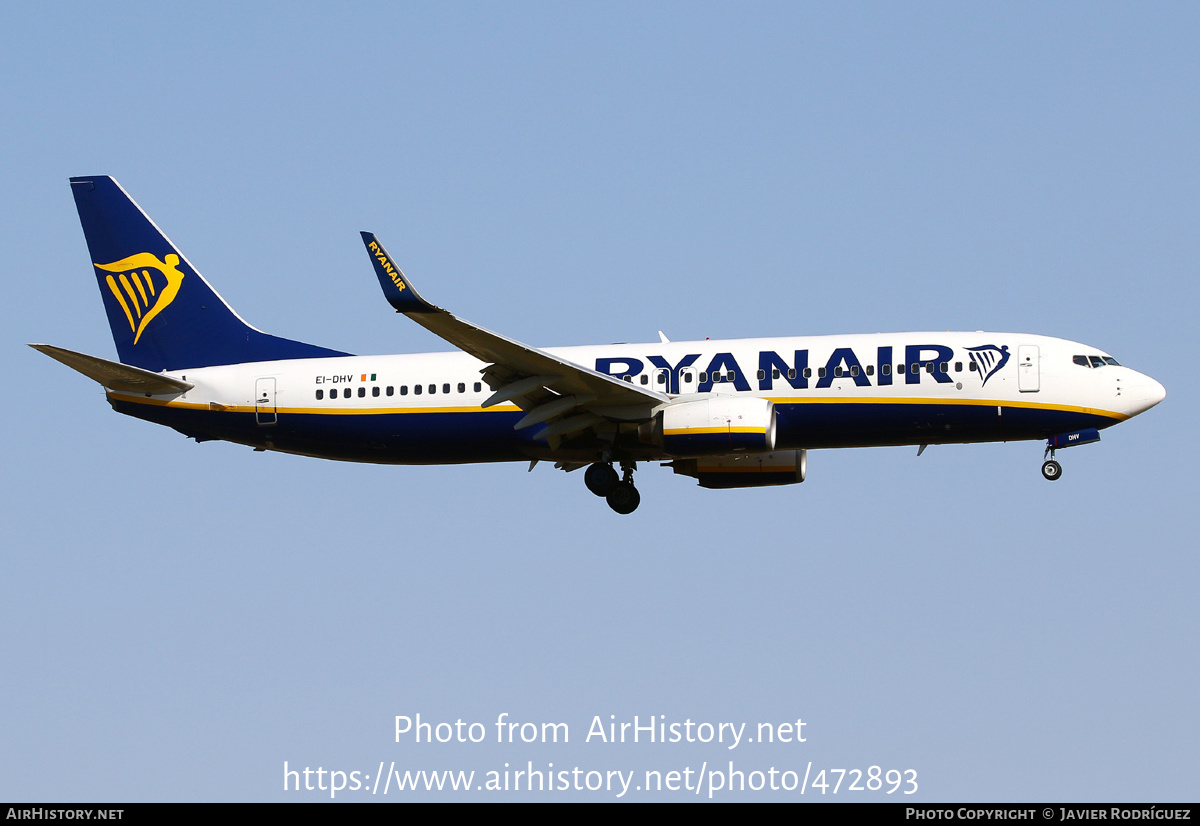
(457, 437)
(869, 425)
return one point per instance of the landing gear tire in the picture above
(601, 479)
(1052, 470)
(624, 498)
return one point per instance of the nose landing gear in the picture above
(1051, 469)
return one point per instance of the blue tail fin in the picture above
(163, 314)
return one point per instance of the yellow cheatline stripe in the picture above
(1063, 408)
(335, 411)
(112, 285)
(377, 411)
(512, 408)
(691, 431)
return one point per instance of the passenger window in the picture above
(687, 377)
(870, 369)
(391, 390)
(362, 392)
(704, 376)
(899, 369)
(432, 389)
(446, 387)
(929, 367)
(320, 395)
(958, 367)
(404, 390)
(417, 389)
(808, 372)
(462, 387)
(732, 375)
(375, 392)
(478, 386)
(972, 367)
(944, 367)
(854, 370)
(774, 372)
(886, 369)
(837, 372)
(791, 373)
(820, 372)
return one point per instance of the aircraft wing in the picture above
(544, 385)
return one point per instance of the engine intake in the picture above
(714, 427)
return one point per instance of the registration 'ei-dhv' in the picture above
(732, 413)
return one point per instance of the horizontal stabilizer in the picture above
(114, 375)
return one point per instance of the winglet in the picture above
(397, 289)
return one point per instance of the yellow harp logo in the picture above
(135, 289)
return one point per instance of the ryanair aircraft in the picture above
(734, 413)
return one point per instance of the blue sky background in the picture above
(179, 620)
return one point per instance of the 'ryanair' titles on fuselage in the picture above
(920, 362)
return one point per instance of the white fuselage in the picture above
(829, 391)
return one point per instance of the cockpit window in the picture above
(1095, 361)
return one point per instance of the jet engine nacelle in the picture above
(782, 467)
(713, 427)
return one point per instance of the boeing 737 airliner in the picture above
(735, 413)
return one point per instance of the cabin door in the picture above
(1028, 371)
(264, 401)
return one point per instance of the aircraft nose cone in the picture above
(1144, 392)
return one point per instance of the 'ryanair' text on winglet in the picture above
(396, 287)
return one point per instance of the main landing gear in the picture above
(602, 480)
